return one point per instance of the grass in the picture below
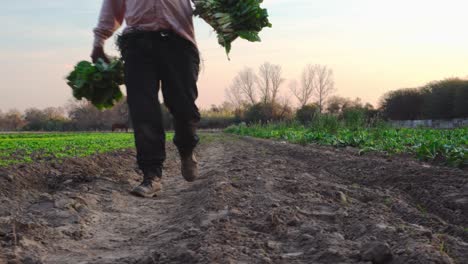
(442, 244)
(421, 209)
(448, 146)
(388, 201)
(18, 148)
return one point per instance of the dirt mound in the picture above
(257, 202)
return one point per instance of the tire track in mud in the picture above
(257, 201)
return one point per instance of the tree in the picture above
(369, 107)
(352, 104)
(437, 100)
(12, 121)
(306, 113)
(336, 104)
(306, 91)
(234, 96)
(119, 113)
(322, 82)
(54, 113)
(283, 109)
(86, 117)
(245, 82)
(461, 102)
(404, 104)
(269, 82)
(440, 98)
(35, 119)
(227, 107)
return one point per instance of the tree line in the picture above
(75, 116)
(258, 96)
(446, 99)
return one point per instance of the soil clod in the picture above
(377, 252)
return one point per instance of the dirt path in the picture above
(256, 202)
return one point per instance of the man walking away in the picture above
(159, 50)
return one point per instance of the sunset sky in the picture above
(372, 46)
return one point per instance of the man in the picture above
(159, 50)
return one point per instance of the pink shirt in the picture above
(150, 15)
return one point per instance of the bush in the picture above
(268, 112)
(326, 122)
(217, 119)
(216, 122)
(354, 118)
(307, 113)
(259, 113)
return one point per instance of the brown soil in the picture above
(257, 201)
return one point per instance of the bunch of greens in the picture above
(98, 83)
(233, 18)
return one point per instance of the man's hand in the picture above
(98, 53)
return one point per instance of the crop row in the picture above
(23, 148)
(448, 146)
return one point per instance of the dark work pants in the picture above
(154, 60)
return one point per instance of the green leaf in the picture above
(249, 35)
(97, 83)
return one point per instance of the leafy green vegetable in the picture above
(98, 83)
(233, 18)
(448, 146)
(19, 148)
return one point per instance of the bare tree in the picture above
(323, 83)
(54, 113)
(227, 107)
(264, 83)
(85, 116)
(276, 81)
(305, 92)
(245, 82)
(316, 81)
(269, 82)
(284, 112)
(120, 113)
(12, 121)
(234, 96)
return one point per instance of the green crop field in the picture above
(448, 146)
(18, 148)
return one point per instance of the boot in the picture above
(189, 166)
(150, 186)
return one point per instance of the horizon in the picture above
(372, 47)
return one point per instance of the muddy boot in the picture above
(150, 186)
(189, 166)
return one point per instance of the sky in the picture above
(372, 46)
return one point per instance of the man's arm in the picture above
(110, 19)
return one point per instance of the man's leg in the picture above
(179, 83)
(142, 84)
